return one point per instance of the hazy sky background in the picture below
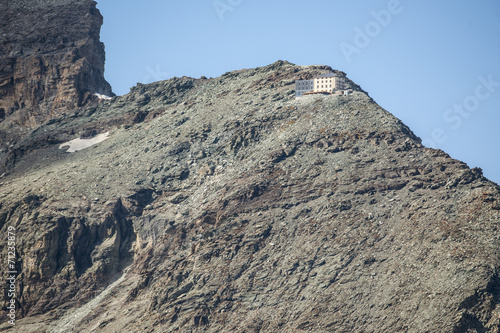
(433, 64)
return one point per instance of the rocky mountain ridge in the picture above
(51, 61)
(228, 205)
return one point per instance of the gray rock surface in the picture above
(227, 205)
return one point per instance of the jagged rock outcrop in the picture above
(51, 62)
(226, 205)
(51, 59)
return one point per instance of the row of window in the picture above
(309, 85)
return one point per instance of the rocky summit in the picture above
(229, 205)
(51, 61)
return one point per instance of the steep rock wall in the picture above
(51, 59)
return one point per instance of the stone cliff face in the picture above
(51, 59)
(227, 205)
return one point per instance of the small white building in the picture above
(327, 83)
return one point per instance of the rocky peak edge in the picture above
(51, 61)
(225, 205)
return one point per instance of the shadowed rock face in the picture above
(232, 206)
(51, 59)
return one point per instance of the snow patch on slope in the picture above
(80, 144)
(101, 96)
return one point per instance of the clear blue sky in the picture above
(433, 64)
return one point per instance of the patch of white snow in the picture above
(80, 144)
(101, 96)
